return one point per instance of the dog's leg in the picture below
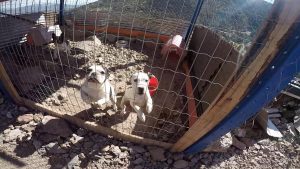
(149, 103)
(113, 98)
(122, 105)
(137, 109)
(84, 96)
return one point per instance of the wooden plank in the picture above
(124, 32)
(191, 99)
(96, 127)
(4, 78)
(287, 17)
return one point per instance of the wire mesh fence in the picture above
(53, 78)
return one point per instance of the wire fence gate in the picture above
(231, 42)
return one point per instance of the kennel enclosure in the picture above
(227, 48)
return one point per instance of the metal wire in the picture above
(170, 117)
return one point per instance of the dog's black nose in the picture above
(93, 74)
(140, 90)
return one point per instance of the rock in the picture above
(115, 150)
(62, 96)
(88, 144)
(105, 149)
(178, 156)
(81, 156)
(257, 146)
(13, 135)
(37, 144)
(57, 126)
(138, 149)
(297, 120)
(181, 164)
(81, 132)
(248, 141)
(9, 115)
(157, 154)
(56, 102)
(220, 145)
(76, 76)
(25, 118)
(23, 109)
(238, 144)
(38, 118)
(75, 139)
(138, 167)
(138, 161)
(239, 132)
(54, 148)
(73, 162)
(264, 142)
(124, 148)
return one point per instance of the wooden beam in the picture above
(96, 127)
(124, 32)
(5, 80)
(287, 17)
(191, 99)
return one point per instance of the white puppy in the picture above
(61, 46)
(138, 95)
(96, 89)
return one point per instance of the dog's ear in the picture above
(54, 37)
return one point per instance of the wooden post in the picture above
(8, 85)
(288, 16)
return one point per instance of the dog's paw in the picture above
(149, 108)
(115, 107)
(96, 105)
(123, 111)
(141, 116)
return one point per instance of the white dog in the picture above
(61, 46)
(96, 89)
(138, 95)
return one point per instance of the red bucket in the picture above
(153, 85)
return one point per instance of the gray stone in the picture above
(115, 150)
(181, 164)
(81, 156)
(178, 156)
(73, 162)
(37, 144)
(138, 161)
(23, 109)
(81, 132)
(138, 149)
(9, 115)
(238, 144)
(105, 148)
(138, 167)
(56, 126)
(88, 144)
(13, 135)
(54, 148)
(76, 139)
(25, 118)
(157, 154)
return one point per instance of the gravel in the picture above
(79, 148)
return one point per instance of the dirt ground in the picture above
(31, 139)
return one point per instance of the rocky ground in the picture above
(34, 139)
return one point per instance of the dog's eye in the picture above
(102, 72)
(135, 80)
(146, 80)
(89, 70)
